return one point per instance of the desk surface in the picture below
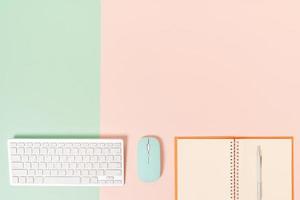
(49, 80)
(197, 68)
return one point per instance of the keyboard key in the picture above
(93, 159)
(74, 151)
(114, 165)
(36, 144)
(40, 158)
(17, 165)
(85, 180)
(15, 158)
(51, 151)
(53, 145)
(78, 158)
(57, 165)
(35, 165)
(77, 172)
(15, 179)
(106, 151)
(70, 172)
(86, 158)
(113, 172)
(101, 158)
(19, 172)
(28, 150)
(44, 151)
(103, 165)
(13, 144)
(72, 165)
(32, 158)
(35, 151)
(60, 145)
(88, 165)
(90, 151)
(84, 172)
(22, 179)
(109, 158)
(31, 172)
(65, 165)
(117, 158)
(49, 165)
(24, 158)
(42, 166)
(61, 172)
(118, 182)
(38, 180)
(95, 165)
(20, 151)
(55, 158)
(59, 151)
(54, 172)
(97, 152)
(82, 151)
(94, 180)
(29, 179)
(39, 172)
(28, 144)
(80, 165)
(13, 150)
(115, 151)
(20, 144)
(92, 172)
(100, 172)
(27, 165)
(46, 172)
(117, 145)
(70, 158)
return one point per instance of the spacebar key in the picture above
(62, 180)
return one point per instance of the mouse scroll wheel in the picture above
(148, 146)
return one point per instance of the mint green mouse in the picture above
(149, 159)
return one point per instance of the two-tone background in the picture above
(168, 68)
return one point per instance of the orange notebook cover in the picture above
(234, 168)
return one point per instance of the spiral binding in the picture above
(234, 169)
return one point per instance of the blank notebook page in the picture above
(203, 168)
(276, 169)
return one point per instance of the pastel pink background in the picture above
(197, 67)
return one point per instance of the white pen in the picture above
(259, 173)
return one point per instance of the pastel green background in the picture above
(49, 80)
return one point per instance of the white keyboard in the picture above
(66, 162)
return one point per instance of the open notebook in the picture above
(231, 168)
